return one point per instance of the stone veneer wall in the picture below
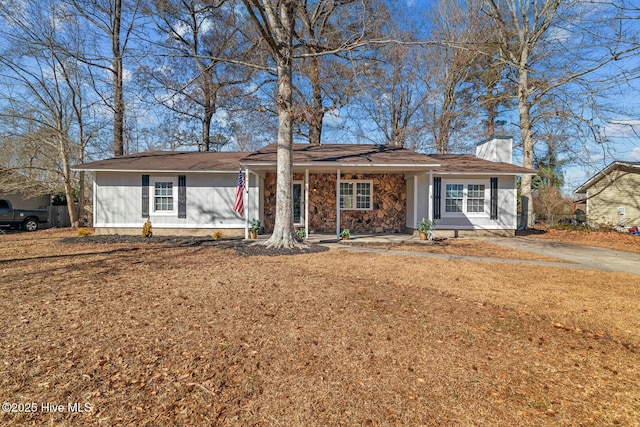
(387, 216)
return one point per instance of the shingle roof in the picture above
(616, 164)
(469, 164)
(360, 154)
(303, 154)
(169, 161)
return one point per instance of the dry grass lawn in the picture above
(153, 335)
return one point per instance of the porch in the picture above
(395, 238)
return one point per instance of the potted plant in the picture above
(256, 225)
(345, 234)
(424, 228)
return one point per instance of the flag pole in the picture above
(246, 216)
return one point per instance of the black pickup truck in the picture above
(28, 219)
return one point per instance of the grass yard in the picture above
(152, 335)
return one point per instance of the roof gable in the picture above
(633, 167)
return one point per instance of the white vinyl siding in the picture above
(209, 201)
(480, 186)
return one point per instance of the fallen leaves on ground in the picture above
(174, 335)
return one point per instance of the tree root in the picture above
(284, 242)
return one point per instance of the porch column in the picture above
(306, 203)
(95, 199)
(246, 203)
(430, 202)
(338, 204)
(415, 200)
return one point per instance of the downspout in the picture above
(338, 204)
(415, 200)
(95, 199)
(430, 201)
(306, 203)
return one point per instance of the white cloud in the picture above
(623, 129)
(634, 155)
(332, 118)
(222, 118)
(558, 34)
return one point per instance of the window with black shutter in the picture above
(494, 198)
(145, 196)
(182, 196)
(437, 196)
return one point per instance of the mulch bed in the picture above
(242, 247)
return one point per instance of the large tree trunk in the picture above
(283, 232)
(210, 96)
(524, 110)
(68, 185)
(206, 128)
(118, 98)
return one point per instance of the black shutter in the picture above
(145, 196)
(182, 196)
(437, 196)
(494, 198)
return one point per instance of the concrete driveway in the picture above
(581, 257)
(587, 257)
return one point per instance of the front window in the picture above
(463, 198)
(454, 198)
(163, 197)
(355, 195)
(475, 198)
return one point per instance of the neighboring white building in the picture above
(366, 188)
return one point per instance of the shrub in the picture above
(83, 232)
(301, 233)
(146, 229)
(570, 225)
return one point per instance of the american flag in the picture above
(239, 205)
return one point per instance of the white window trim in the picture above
(353, 183)
(152, 195)
(465, 194)
(301, 223)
